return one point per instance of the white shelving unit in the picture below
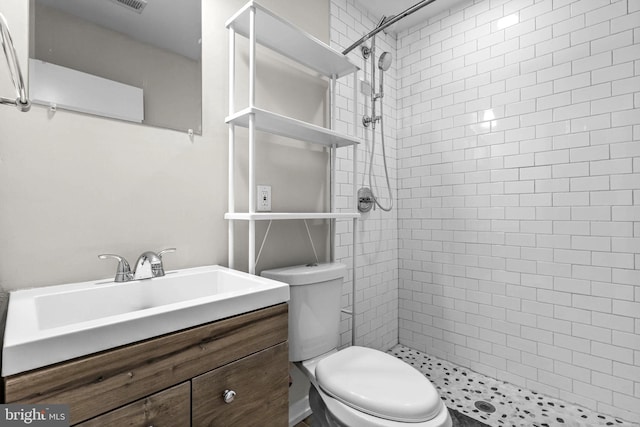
(263, 27)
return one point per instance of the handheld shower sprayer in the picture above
(384, 63)
(367, 198)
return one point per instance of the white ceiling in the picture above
(170, 24)
(380, 8)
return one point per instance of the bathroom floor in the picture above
(461, 388)
(304, 423)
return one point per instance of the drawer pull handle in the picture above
(228, 396)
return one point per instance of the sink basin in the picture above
(51, 324)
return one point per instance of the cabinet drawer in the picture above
(261, 384)
(169, 408)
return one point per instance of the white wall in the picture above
(519, 175)
(377, 249)
(73, 186)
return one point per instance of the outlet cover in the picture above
(264, 198)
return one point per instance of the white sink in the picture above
(51, 324)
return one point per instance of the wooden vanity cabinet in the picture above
(177, 379)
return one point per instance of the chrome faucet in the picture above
(149, 265)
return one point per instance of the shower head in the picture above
(384, 62)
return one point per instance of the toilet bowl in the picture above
(364, 387)
(356, 386)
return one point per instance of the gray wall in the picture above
(73, 186)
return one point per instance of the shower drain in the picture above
(485, 406)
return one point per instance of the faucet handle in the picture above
(123, 273)
(160, 268)
(155, 261)
(164, 251)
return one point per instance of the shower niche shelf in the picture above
(263, 27)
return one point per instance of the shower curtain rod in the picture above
(386, 23)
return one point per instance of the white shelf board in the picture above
(291, 128)
(285, 38)
(266, 216)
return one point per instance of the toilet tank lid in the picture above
(306, 274)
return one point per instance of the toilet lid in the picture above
(378, 384)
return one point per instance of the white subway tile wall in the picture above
(519, 145)
(377, 251)
(514, 141)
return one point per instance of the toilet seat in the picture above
(377, 384)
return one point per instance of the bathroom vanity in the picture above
(232, 371)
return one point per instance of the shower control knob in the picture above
(365, 199)
(229, 396)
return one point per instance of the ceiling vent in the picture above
(133, 5)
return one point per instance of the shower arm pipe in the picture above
(388, 23)
(22, 101)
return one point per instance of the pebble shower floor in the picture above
(460, 388)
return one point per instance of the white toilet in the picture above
(357, 386)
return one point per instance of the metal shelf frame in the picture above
(263, 27)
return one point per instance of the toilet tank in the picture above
(314, 307)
